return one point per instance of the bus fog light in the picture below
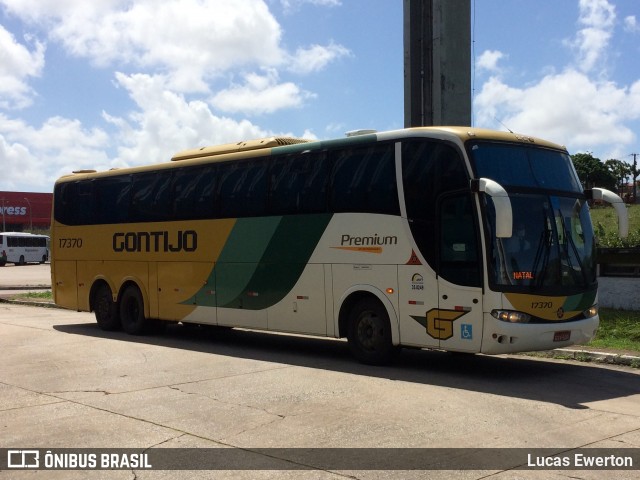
(591, 312)
(511, 316)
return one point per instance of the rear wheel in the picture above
(369, 333)
(132, 312)
(105, 309)
(21, 261)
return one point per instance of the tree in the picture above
(592, 172)
(620, 170)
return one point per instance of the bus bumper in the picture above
(503, 337)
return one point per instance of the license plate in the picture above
(562, 336)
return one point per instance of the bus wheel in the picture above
(132, 312)
(105, 309)
(369, 333)
(21, 261)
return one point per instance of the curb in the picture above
(582, 355)
(30, 303)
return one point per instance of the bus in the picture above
(460, 239)
(20, 248)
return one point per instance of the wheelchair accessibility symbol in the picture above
(466, 331)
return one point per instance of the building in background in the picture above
(25, 211)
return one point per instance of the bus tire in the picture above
(369, 333)
(105, 309)
(21, 261)
(131, 309)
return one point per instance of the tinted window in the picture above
(298, 184)
(459, 260)
(242, 191)
(429, 169)
(112, 198)
(526, 166)
(364, 180)
(194, 192)
(74, 203)
(151, 197)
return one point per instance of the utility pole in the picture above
(437, 62)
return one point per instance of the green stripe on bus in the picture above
(262, 260)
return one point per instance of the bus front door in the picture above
(458, 319)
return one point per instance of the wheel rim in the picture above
(370, 331)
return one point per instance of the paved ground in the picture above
(30, 275)
(66, 384)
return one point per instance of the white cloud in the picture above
(568, 108)
(316, 57)
(191, 40)
(291, 5)
(631, 24)
(30, 156)
(591, 41)
(489, 59)
(17, 65)
(186, 50)
(260, 94)
(579, 106)
(165, 122)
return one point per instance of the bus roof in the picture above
(237, 147)
(468, 133)
(264, 146)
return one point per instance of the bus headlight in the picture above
(511, 316)
(591, 312)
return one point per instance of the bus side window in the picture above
(429, 169)
(243, 189)
(284, 187)
(112, 199)
(150, 200)
(459, 262)
(363, 180)
(298, 184)
(74, 203)
(193, 193)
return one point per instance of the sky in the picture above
(112, 83)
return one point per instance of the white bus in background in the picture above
(20, 248)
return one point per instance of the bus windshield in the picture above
(552, 247)
(518, 165)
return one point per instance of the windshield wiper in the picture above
(573, 246)
(542, 253)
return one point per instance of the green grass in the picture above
(46, 295)
(605, 224)
(619, 330)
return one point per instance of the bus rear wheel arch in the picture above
(368, 330)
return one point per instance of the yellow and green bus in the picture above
(451, 238)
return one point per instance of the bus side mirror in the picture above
(501, 202)
(617, 203)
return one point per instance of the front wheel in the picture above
(132, 312)
(369, 333)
